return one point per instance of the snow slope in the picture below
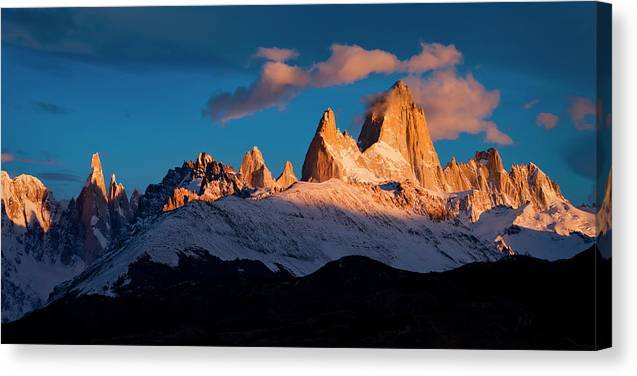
(560, 231)
(300, 230)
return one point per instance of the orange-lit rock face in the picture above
(287, 177)
(202, 179)
(489, 184)
(254, 172)
(395, 145)
(26, 201)
(180, 197)
(395, 120)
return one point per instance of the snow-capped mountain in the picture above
(45, 242)
(32, 263)
(383, 196)
(299, 230)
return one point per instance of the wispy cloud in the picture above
(276, 54)
(49, 107)
(547, 120)
(530, 104)
(280, 82)
(7, 157)
(10, 157)
(58, 176)
(582, 113)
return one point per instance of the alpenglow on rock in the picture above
(254, 172)
(202, 179)
(287, 177)
(26, 201)
(395, 145)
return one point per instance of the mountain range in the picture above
(384, 196)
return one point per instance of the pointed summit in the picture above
(324, 159)
(394, 119)
(203, 159)
(287, 177)
(327, 125)
(96, 176)
(254, 172)
(115, 189)
(93, 212)
(119, 207)
(490, 158)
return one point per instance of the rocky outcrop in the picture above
(202, 179)
(26, 201)
(287, 177)
(254, 172)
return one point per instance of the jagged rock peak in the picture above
(116, 190)
(330, 153)
(26, 201)
(204, 159)
(200, 179)
(327, 125)
(287, 177)
(254, 172)
(394, 119)
(96, 176)
(94, 213)
(490, 158)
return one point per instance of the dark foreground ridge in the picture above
(516, 303)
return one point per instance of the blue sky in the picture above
(134, 84)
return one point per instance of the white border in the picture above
(622, 359)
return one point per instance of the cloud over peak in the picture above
(280, 82)
(454, 104)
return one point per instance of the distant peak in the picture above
(204, 158)
(400, 84)
(96, 177)
(96, 163)
(113, 180)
